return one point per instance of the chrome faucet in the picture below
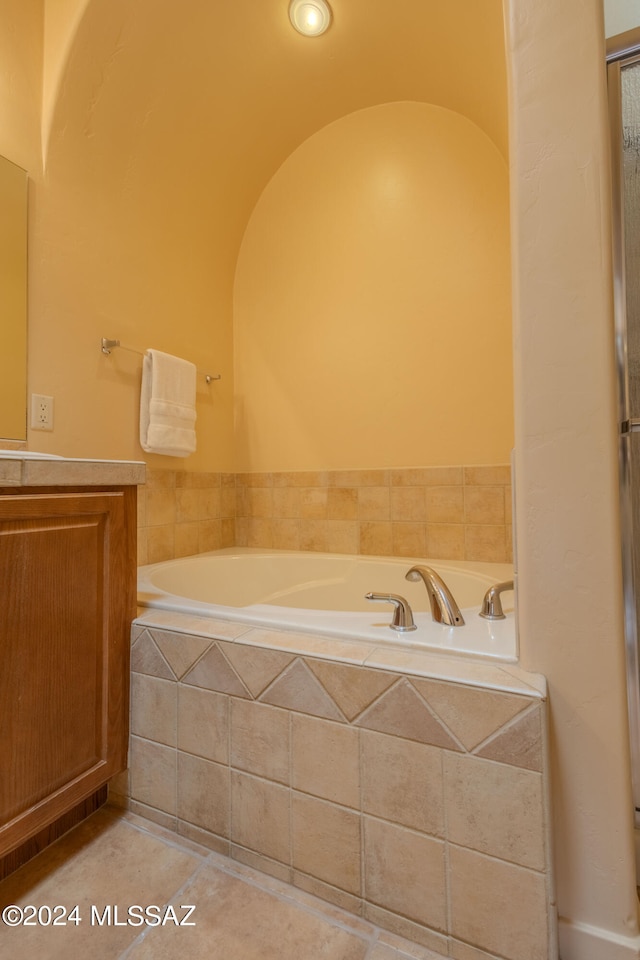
(492, 604)
(402, 616)
(444, 609)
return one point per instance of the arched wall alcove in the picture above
(372, 309)
(162, 131)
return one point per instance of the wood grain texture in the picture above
(67, 595)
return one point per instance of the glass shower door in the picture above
(624, 103)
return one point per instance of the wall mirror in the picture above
(13, 301)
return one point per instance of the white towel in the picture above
(167, 405)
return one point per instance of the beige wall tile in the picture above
(203, 793)
(404, 872)
(352, 688)
(443, 476)
(214, 672)
(374, 503)
(260, 816)
(402, 713)
(408, 477)
(409, 539)
(495, 809)
(186, 539)
(471, 713)
(154, 709)
(242, 532)
(203, 723)
(153, 774)
(286, 502)
(313, 535)
(285, 534)
(228, 501)
(324, 891)
(165, 820)
(445, 541)
(325, 760)
(172, 500)
(142, 551)
(342, 536)
(256, 479)
(160, 543)
(376, 538)
(418, 940)
(326, 842)
(445, 504)
(402, 782)
(298, 689)
(209, 535)
(342, 503)
(194, 481)
(187, 507)
(161, 507)
(303, 478)
(360, 478)
(492, 474)
(146, 658)
(203, 837)
(313, 502)
(408, 503)
(180, 650)
(486, 542)
(141, 499)
(228, 533)
(462, 951)
(161, 479)
(484, 505)
(265, 865)
(520, 744)
(484, 892)
(259, 533)
(209, 503)
(260, 502)
(257, 668)
(260, 739)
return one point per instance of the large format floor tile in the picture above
(115, 865)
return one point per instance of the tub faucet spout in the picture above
(444, 608)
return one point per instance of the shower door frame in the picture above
(623, 51)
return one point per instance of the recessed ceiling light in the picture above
(310, 17)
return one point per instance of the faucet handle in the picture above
(492, 604)
(402, 616)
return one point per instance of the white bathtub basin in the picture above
(324, 593)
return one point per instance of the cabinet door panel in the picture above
(65, 609)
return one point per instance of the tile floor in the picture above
(115, 860)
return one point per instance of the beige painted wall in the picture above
(372, 311)
(570, 606)
(21, 47)
(85, 264)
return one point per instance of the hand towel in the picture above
(167, 405)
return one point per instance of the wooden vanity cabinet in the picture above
(67, 598)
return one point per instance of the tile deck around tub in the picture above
(409, 790)
(507, 677)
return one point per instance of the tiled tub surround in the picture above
(453, 513)
(410, 789)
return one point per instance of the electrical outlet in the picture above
(41, 412)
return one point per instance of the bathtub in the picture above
(324, 594)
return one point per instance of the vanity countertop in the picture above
(23, 468)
